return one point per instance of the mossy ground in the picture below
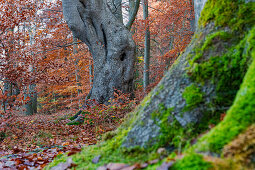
(192, 161)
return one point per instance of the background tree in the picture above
(146, 70)
(110, 43)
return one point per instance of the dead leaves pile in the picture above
(20, 159)
(34, 141)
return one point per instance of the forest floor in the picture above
(34, 141)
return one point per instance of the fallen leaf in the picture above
(73, 151)
(65, 143)
(39, 158)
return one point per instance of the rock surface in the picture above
(170, 92)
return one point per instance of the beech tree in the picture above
(98, 23)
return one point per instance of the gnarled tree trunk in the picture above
(110, 42)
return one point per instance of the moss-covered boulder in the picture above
(203, 82)
(202, 85)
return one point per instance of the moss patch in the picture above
(192, 161)
(173, 135)
(193, 96)
(226, 71)
(210, 42)
(235, 14)
(238, 117)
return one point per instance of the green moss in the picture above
(77, 114)
(161, 87)
(235, 14)
(209, 43)
(191, 161)
(108, 153)
(59, 158)
(239, 116)
(74, 123)
(193, 96)
(224, 72)
(172, 133)
(146, 100)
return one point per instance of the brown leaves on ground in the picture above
(34, 141)
(27, 160)
(31, 132)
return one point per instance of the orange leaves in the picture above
(73, 151)
(171, 30)
(65, 144)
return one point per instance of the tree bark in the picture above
(116, 8)
(133, 9)
(146, 68)
(77, 71)
(30, 105)
(110, 43)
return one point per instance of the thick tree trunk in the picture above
(109, 41)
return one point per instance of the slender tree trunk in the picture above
(146, 70)
(10, 87)
(30, 91)
(77, 71)
(6, 90)
(110, 43)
